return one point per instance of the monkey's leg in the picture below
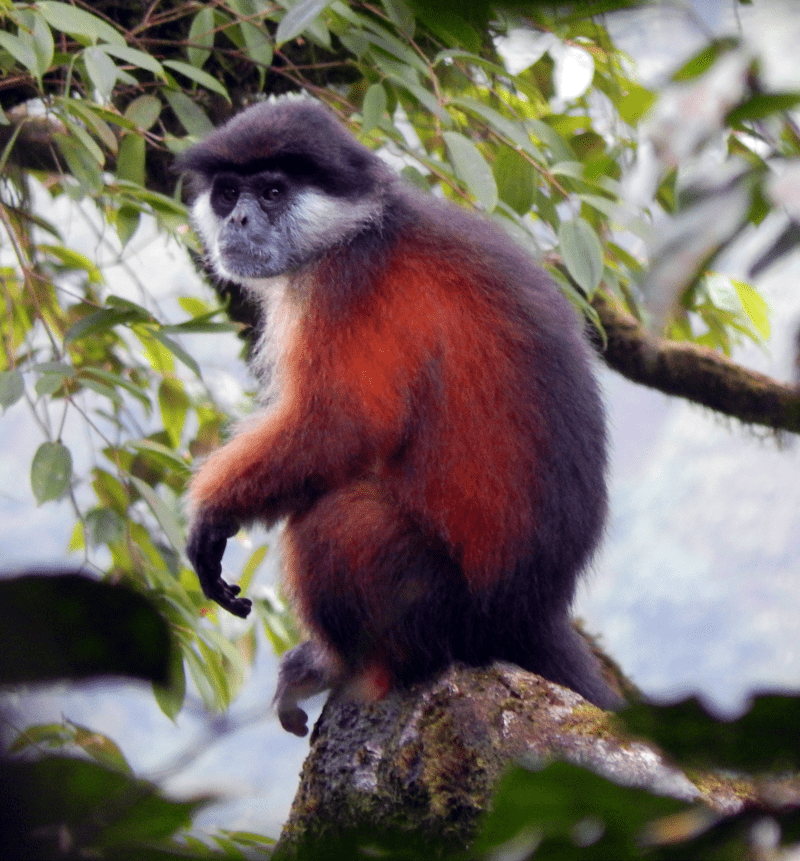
(385, 598)
(306, 670)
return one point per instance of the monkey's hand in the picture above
(205, 547)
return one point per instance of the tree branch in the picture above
(695, 373)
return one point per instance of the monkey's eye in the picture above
(272, 193)
(228, 193)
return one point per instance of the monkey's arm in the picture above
(271, 468)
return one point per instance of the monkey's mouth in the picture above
(247, 261)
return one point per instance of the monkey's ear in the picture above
(205, 548)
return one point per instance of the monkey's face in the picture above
(257, 225)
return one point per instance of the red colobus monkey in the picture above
(432, 429)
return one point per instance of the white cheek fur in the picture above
(321, 220)
(207, 224)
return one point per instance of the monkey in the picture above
(431, 428)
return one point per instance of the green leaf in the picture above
(102, 72)
(761, 106)
(633, 106)
(102, 320)
(126, 220)
(35, 33)
(83, 167)
(51, 471)
(201, 37)
(107, 813)
(143, 111)
(164, 515)
(177, 351)
(82, 138)
(374, 107)
(174, 404)
(190, 115)
(258, 46)
(12, 388)
(73, 627)
(103, 526)
(130, 161)
(136, 58)
(704, 59)
(513, 131)
(100, 748)
(77, 22)
(548, 806)
(515, 178)
(401, 15)
(471, 168)
(42, 735)
(755, 307)
(21, 50)
(298, 18)
(163, 455)
(117, 381)
(582, 253)
(96, 118)
(198, 76)
(253, 563)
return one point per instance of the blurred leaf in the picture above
(165, 516)
(373, 108)
(76, 22)
(471, 168)
(100, 321)
(20, 49)
(131, 158)
(201, 37)
(176, 351)
(252, 565)
(190, 115)
(582, 253)
(761, 106)
(298, 18)
(12, 388)
(51, 471)
(174, 404)
(35, 32)
(100, 748)
(633, 106)
(103, 812)
(103, 526)
(755, 307)
(766, 738)
(549, 807)
(198, 76)
(143, 111)
(72, 627)
(705, 58)
(515, 177)
(102, 71)
(257, 44)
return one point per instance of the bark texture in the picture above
(424, 762)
